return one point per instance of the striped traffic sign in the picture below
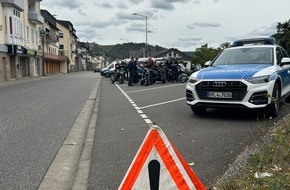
(158, 165)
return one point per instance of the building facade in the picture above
(53, 62)
(19, 39)
(68, 44)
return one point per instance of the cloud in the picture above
(135, 1)
(264, 30)
(162, 4)
(104, 5)
(203, 25)
(81, 12)
(189, 38)
(178, 1)
(122, 5)
(125, 16)
(169, 4)
(185, 42)
(65, 3)
(136, 27)
(104, 24)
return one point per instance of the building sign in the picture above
(16, 49)
(31, 52)
(42, 33)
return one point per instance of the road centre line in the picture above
(139, 111)
(133, 91)
(158, 104)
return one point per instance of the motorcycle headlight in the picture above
(259, 80)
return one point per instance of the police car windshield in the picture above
(245, 55)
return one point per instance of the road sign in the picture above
(158, 165)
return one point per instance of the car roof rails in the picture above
(254, 41)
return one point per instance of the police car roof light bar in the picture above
(269, 41)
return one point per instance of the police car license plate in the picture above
(227, 95)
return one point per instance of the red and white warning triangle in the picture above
(158, 165)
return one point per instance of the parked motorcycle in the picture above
(182, 73)
(143, 75)
(118, 76)
(159, 73)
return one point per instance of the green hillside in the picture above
(121, 51)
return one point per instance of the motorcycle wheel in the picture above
(182, 78)
(121, 80)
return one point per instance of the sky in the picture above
(182, 24)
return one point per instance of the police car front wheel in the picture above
(273, 108)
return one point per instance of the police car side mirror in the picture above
(285, 61)
(207, 63)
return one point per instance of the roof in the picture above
(68, 25)
(187, 56)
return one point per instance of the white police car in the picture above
(252, 73)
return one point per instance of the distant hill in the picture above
(121, 51)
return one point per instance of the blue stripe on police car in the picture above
(237, 71)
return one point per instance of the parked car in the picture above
(109, 70)
(252, 73)
(97, 69)
(105, 72)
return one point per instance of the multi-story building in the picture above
(19, 39)
(10, 37)
(68, 43)
(53, 62)
(32, 20)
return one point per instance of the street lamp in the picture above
(146, 27)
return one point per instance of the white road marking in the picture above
(148, 89)
(167, 102)
(139, 109)
(146, 119)
(144, 116)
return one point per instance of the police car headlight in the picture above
(193, 80)
(258, 80)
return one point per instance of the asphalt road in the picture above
(35, 118)
(211, 142)
(37, 115)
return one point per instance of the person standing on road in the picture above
(174, 70)
(131, 68)
(150, 65)
(135, 68)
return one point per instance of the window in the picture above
(279, 55)
(16, 13)
(27, 34)
(36, 37)
(32, 36)
(285, 54)
(60, 35)
(61, 47)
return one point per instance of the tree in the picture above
(204, 54)
(283, 35)
(225, 45)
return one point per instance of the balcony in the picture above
(35, 18)
(18, 4)
(50, 56)
(51, 38)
